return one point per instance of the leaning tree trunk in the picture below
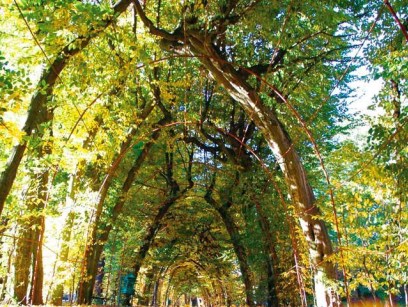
(100, 233)
(239, 249)
(31, 238)
(174, 194)
(314, 229)
(34, 118)
(199, 44)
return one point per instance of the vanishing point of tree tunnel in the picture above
(203, 153)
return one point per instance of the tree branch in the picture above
(152, 28)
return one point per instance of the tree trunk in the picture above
(36, 293)
(99, 277)
(29, 259)
(31, 238)
(154, 228)
(4, 276)
(22, 265)
(157, 289)
(58, 291)
(34, 117)
(146, 294)
(173, 195)
(314, 229)
(45, 115)
(234, 234)
(239, 249)
(200, 45)
(100, 233)
(272, 263)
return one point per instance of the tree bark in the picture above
(37, 280)
(46, 116)
(173, 196)
(58, 291)
(145, 293)
(22, 265)
(31, 237)
(157, 289)
(100, 233)
(272, 263)
(239, 249)
(9, 255)
(314, 229)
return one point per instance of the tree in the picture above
(136, 109)
(206, 44)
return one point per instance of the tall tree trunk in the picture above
(34, 119)
(100, 232)
(157, 289)
(36, 292)
(273, 261)
(39, 204)
(99, 277)
(31, 237)
(22, 264)
(167, 293)
(58, 291)
(173, 196)
(3, 278)
(239, 249)
(29, 259)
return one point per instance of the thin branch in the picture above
(394, 14)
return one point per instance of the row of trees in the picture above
(201, 147)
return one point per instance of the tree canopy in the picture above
(163, 152)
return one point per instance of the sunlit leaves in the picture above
(100, 97)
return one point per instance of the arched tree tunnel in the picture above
(210, 221)
(172, 153)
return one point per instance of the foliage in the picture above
(141, 125)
